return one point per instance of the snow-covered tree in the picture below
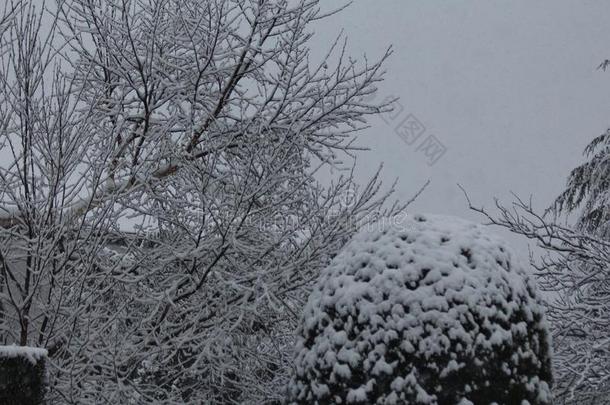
(423, 310)
(588, 189)
(200, 125)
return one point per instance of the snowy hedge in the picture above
(22, 375)
(423, 310)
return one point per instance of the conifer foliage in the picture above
(423, 310)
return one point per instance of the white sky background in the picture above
(511, 89)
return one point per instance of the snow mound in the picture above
(423, 310)
(32, 354)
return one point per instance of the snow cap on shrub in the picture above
(23, 377)
(423, 310)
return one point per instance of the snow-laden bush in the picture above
(423, 310)
(22, 375)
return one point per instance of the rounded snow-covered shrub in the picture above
(423, 310)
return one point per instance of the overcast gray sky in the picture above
(511, 89)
